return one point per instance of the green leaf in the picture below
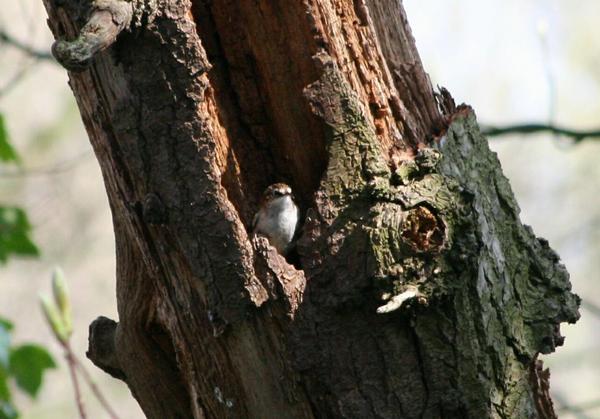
(4, 390)
(27, 365)
(7, 152)
(14, 234)
(7, 324)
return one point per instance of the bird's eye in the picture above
(277, 193)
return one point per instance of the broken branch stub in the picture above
(107, 19)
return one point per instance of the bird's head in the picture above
(275, 191)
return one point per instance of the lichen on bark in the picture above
(509, 287)
(528, 272)
(396, 218)
(440, 240)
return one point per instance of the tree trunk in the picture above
(415, 291)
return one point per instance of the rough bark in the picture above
(415, 290)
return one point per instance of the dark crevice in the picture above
(421, 366)
(253, 156)
(424, 229)
(271, 134)
(390, 389)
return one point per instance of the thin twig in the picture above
(57, 169)
(95, 389)
(71, 361)
(591, 307)
(27, 49)
(533, 128)
(14, 81)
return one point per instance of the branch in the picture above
(591, 307)
(576, 135)
(76, 388)
(94, 387)
(27, 49)
(107, 20)
(101, 347)
(56, 169)
(14, 81)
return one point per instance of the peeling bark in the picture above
(414, 291)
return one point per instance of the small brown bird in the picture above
(277, 217)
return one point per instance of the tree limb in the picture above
(101, 350)
(107, 20)
(27, 49)
(576, 135)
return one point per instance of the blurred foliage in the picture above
(24, 365)
(27, 365)
(7, 152)
(14, 234)
(14, 224)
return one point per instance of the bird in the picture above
(277, 218)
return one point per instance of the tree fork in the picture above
(195, 108)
